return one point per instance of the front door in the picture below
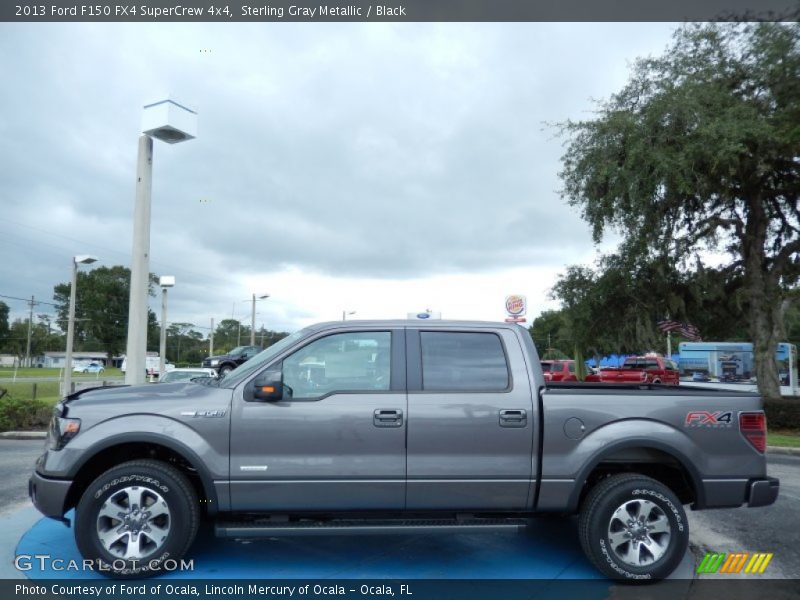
(336, 441)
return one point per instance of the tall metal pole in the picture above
(162, 346)
(669, 344)
(253, 323)
(30, 326)
(70, 331)
(211, 339)
(140, 266)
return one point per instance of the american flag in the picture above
(687, 330)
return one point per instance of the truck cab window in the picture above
(345, 362)
(456, 361)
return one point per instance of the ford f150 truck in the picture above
(397, 426)
(225, 363)
(641, 369)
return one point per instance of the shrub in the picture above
(783, 413)
(22, 413)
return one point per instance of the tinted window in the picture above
(344, 362)
(463, 361)
(571, 367)
(547, 367)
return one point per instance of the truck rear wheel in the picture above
(136, 519)
(633, 528)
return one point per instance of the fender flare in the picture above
(143, 437)
(638, 442)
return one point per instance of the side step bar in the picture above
(264, 528)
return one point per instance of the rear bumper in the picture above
(763, 492)
(49, 495)
(730, 493)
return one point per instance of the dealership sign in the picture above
(516, 307)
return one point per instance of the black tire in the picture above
(165, 489)
(225, 369)
(602, 514)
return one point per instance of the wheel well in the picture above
(108, 458)
(659, 465)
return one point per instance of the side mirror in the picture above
(268, 387)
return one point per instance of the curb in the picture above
(783, 450)
(23, 435)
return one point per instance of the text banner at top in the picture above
(189, 11)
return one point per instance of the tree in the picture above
(4, 329)
(549, 333)
(698, 152)
(101, 308)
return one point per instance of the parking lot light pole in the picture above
(81, 259)
(166, 282)
(253, 318)
(169, 122)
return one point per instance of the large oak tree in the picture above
(700, 153)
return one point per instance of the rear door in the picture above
(470, 420)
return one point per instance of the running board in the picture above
(263, 528)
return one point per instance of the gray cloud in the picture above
(359, 150)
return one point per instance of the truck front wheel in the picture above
(136, 519)
(633, 528)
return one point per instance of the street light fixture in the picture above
(345, 313)
(253, 318)
(80, 259)
(166, 282)
(169, 122)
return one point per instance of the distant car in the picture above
(90, 368)
(559, 370)
(187, 374)
(700, 376)
(225, 363)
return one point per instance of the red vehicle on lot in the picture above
(559, 370)
(651, 368)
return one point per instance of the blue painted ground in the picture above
(548, 550)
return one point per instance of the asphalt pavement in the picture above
(765, 529)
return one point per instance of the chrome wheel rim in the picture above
(133, 523)
(639, 533)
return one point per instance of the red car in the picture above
(650, 368)
(559, 370)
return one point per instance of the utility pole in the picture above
(211, 339)
(32, 303)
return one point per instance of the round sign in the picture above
(515, 305)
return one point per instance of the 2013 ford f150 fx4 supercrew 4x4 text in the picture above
(396, 426)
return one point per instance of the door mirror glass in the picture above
(268, 387)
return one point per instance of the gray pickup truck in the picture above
(397, 426)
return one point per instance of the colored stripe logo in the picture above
(735, 562)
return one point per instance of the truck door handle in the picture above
(513, 418)
(387, 418)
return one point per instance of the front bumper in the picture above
(763, 492)
(49, 495)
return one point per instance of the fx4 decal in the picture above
(701, 418)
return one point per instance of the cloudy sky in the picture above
(378, 168)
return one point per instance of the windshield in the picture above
(237, 350)
(260, 360)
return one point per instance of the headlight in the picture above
(62, 431)
(214, 362)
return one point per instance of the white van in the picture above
(151, 365)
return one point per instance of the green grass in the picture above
(8, 373)
(789, 439)
(46, 391)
